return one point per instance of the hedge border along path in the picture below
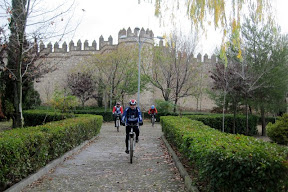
(26, 150)
(34, 177)
(225, 161)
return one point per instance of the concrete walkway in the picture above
(104, 166)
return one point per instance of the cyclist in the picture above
(117, 110)
(152, 111)
(132, 115)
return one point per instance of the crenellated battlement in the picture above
(130, 37)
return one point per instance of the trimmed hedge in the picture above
(215, 121)
(227, 162)
(40, 117)
(107, 116)
(24, 151)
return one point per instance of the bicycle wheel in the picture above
(118, 124)
(131, 148)
(153, 120)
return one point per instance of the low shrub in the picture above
(24, 151)
(40, 117)
(226, 162)
(278, 132)
(215, 121)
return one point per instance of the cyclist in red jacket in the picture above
(117, 110)
(152, 111)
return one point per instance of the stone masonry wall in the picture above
(67, 57)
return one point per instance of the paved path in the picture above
(104, 166)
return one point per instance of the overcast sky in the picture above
(107, 17)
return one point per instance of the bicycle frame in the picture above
(132, 141)
(118, 122)
(152, 119)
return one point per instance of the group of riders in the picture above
(131, 116)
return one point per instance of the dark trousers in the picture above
(114, 117)
(135, 129)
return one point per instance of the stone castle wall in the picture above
(67, 57)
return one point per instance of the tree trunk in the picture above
(234, 119)
(247, 125)
(1, 110)
(18, 120)
(263, 121)
(223, 112)
(175, 104)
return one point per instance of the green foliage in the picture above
(63, 102)
(164, 106)
(278, 132)
(8, 109)
(24, 151)
(40, 117)
(31, 98)
(225, 161)
(215, 121)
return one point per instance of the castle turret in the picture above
(122, 32)
(129, 32)
(101, 40)
(64, 47)
(79, 45)
(199, 57)
(142, 32)
(136, 30)
(94, 45)
(205, 58)
(42, 46)
(110, 40)
(49, 47)
(213, 59)
(71, 46)
(86, 45)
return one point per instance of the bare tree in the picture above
(28, 24)
(81, 85)
(174, 71)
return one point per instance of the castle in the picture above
(67, 57)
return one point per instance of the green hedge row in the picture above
(107, 116)
(215, 121)
(227, 162)
(40, 117)
(24, 151)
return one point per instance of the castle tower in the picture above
(71, 46)
(49, 47)
(129, 32)
(101, 41)
(79, 44)
(64, 47)
(110, 40)
(94, 45)
(86, 45)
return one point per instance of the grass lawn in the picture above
(5, 125)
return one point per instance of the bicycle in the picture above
(118, 122)
(132, 141)
(153, 119)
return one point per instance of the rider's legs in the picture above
(135, 129)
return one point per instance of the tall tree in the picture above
(81, 85)
(117, 71)
(174, 72)
(27, 27)
(266, 57)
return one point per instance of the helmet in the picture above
(132, 102)
(152, 107)
(118, 103)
